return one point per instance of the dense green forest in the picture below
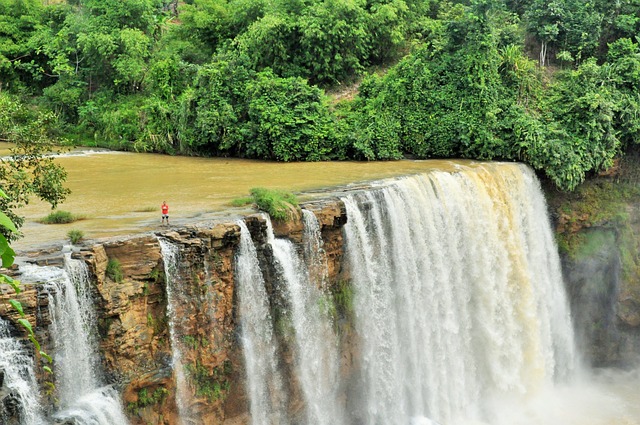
(553, 83)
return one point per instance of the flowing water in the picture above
(170, 257)
(458, 293)
(459, 308)
(316, 343)
(19, 379)
(264, 380)
(314, 252)
(83, 398)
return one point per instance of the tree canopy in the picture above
(550, 83)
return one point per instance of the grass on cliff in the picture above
(114, 270)
(279, 204)
(75, 235)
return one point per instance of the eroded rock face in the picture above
(135, 340)
(601, 269)
(130, 295)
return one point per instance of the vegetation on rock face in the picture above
(145, 399)
(551, 84)
(600, 209)
(212, 384)
(114, 270)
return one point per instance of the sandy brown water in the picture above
(121, 193)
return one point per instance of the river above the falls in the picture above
(121, 192)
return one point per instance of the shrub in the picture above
(114, 270)
(61, 217)
(275, 202)
(241, 202)
(75, 235)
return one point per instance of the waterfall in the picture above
(73, 328)
(18, 379)
(314, 252)
(316, 344)
(83, 398)
(264, 381)
(459, 300)
(170, 257)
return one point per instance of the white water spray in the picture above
(79, 384)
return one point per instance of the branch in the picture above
(19, 57)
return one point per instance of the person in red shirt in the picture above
(165, 212)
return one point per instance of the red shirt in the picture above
(165, 209)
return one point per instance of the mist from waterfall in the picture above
(80, 388)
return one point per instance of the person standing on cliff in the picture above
(165, 212)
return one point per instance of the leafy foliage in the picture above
(8, 256)
(278, 204)
(29, 171)
(246, 78)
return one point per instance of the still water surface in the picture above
(121, 192)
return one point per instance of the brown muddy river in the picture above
(121, 193)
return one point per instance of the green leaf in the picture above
(6, 252)
(25, 324)
(17, 306)
(46, 356)
(6, 222)
(15, 284)
(2, 194)
(47, 369)
(34, 341)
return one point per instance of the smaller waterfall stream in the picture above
(316, 343)
(170, 256)
(264, 381)
(19, 379)
(84, 400)
(73, 328)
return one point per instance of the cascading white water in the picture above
(19, 378)
(73, 327)
(264, 380)
(83, 398)
(459, 298)
(170, 257)
(315, 255)
(316, 344)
